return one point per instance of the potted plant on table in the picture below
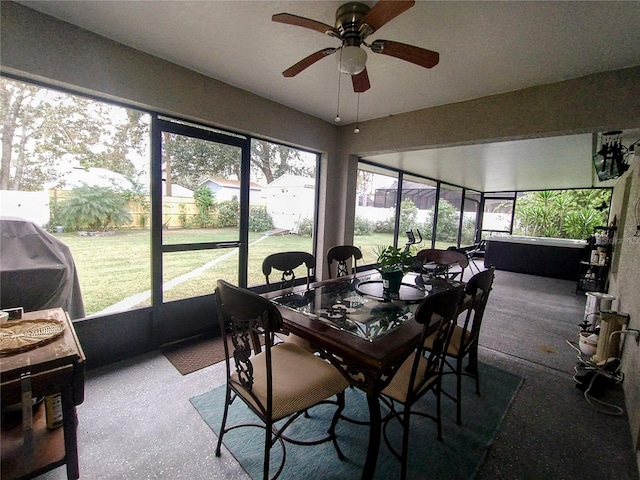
(393, 264)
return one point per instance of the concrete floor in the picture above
(137, 422)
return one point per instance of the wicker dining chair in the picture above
(464, 339)
(422, 371)
(276, 381)
(342, 255)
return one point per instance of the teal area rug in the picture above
(457, 457)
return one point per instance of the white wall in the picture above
(32, 206)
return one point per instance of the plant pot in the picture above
(391, 283)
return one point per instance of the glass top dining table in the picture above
(358, 306)
(360, 331)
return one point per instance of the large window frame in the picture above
(163, 123)
(403, 177)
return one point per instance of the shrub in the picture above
(408, 215)
(228, 213)
(562, 213)
(305, 227)
(94, 209)
(203, 198)
(55, 216)
(448, 218)
(385, 226)
(363, 226)
(259, 220)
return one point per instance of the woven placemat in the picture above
(21, 335)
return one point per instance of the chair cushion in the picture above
(296, 340)
(300, 380)
(398, 388)
(455, 344)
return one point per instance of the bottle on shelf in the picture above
(53, 410)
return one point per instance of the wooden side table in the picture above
(29, 448)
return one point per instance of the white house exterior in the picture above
(290, 199)
(224, 190)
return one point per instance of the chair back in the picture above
(444, 259)
(437, 313)
(246, 317)
(340, 254)
(286, 262)
(478, 289)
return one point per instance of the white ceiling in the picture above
(504, 166)
(485, 48)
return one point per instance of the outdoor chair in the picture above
(275, 381)
(421, 372)
(341, 254)
(448, 264)
(464, 339)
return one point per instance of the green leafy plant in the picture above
(94, 209)
(561, 213)
(205, 201)
(228, 213)
(305, 227)
(259, 219)
(393, 259)
(363, 226)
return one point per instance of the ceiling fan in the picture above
(354, 23)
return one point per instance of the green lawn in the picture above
(114, 267)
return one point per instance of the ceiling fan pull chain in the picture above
(337, 119)
(357, 129)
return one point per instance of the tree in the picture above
(448, 221)
(364, 187)
(20, 124)
(274, 160)
(43, 129)
(408, 215)
(192, 160)
(561, 213)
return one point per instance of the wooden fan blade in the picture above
(383, 12)
(361, 82)
(419, 56)
(307, 62)
(306, 23)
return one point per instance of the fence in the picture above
(176, 211)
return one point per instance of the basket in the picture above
(22, 335)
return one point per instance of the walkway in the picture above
(142, 297)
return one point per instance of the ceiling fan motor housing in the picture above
(348, 18)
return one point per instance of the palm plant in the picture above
(94, 209)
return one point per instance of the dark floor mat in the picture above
(195, 354)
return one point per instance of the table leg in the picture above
(374, 436)
(70, 426)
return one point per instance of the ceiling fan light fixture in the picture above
(352, 60)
